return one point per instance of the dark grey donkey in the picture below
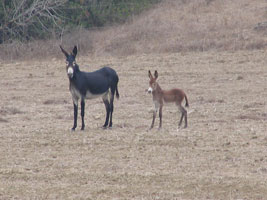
(88, 85)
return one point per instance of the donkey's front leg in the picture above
(82, 113)
(75, 116)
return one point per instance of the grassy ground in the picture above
(221, 155)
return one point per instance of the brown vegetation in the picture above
(172, 26)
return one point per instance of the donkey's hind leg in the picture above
(111, 107)
(107, 105)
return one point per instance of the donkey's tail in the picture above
(186, 101)
(116, 88)
(117, 92)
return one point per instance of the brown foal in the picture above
(166, 96)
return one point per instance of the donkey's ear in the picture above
(156, 74)
(65, 53)
(149, 74)
(74, 51)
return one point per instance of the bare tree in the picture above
(21, 18)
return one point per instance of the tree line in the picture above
(26, 20)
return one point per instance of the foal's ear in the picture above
(156, 74)
(74, 51)
(149, 74)
(65, 53)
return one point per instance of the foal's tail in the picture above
(186, 101)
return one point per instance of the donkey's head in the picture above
(152, 81)
(71, 65)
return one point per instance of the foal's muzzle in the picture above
(149, 90)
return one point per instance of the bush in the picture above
(40, 19)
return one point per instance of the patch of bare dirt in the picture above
(221, 155)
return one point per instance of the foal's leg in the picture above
(184, 114)
(160, 116)
(107, 105)
(154, 114)
(82, 113)
(181, 120)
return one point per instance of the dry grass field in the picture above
(221, 155)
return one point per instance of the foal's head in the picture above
(152, 81)
(70, 61)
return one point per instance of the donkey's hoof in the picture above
(73, 129)
(104, 127)
(82, 129)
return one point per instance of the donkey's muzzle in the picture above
(70, 72)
